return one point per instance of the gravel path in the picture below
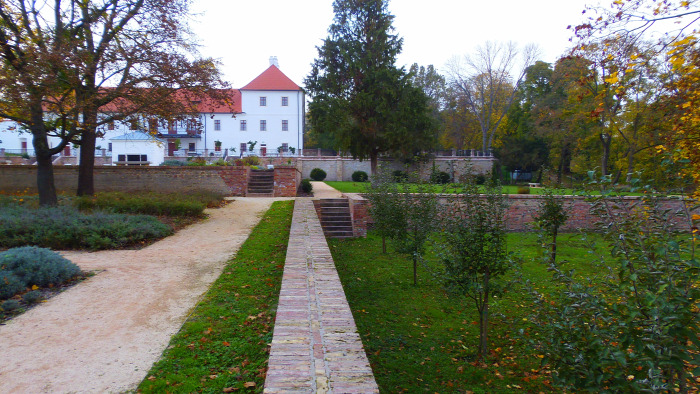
(104, 334)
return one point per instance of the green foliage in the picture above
(251, 160)
(221, 162)
(633, 327)
(440, 177)
(473, 250)
(229, 332)
(306, 186)
(67, 228)
(174, 163)
(196, 161)
(31, 266)
(359, 176)
(146, 204)
(523, 190)
(400, 176)
(359, 95)
(32, 297)
(317, 174)
(480, 179)
(10, 305)
(550, 216)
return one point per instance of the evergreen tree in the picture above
(358, 93)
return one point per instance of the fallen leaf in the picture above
(229, 389)
(151, 378)
(249, 384)
(226, 344)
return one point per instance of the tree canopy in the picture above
(359, 95)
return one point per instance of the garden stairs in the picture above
(335, 217)
(261, 183)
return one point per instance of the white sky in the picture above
(243, 34)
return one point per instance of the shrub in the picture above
(523, 190)
(400, 176)
(251, 160)
(440, 177)
(480, 179)
(37, 266)
(317, 174)
(32, 297)
(221, 162)
(10, 305)
(67, 228)
(146, 204)
(173, 163)
(359, 176)
(306, 186)
(10, 284)
(196, 162)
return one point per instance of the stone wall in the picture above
(227, 180)
(358, 214)
(341, 169)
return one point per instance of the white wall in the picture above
(273, 113)
(152, 148)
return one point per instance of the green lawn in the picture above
(224, 345)
(359, 187)
(419, 340)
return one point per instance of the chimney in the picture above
(273, 61)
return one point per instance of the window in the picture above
(244, 125)
(110, 125)
(285, 125)
(285, 101)
(285, 147)
(217, 125)
(109, 146)
(172, 127)
(263, 101)
(133, 160)
(192, 126)
(243, 147)
(191, 147)
(263, 125)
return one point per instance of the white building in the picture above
(268, 111)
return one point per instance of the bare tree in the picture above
(488, 82)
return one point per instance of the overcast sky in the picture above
(243, 34)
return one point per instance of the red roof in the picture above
(232, 104)
(271, 79)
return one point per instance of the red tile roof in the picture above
(271, 79)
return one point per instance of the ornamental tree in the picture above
(359, 95)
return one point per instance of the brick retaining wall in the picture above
(227, 180)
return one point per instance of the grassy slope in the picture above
(419, 340)
(224, 343)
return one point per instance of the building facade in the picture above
(267, 114)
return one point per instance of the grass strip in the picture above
(418, 339)
(224, 344)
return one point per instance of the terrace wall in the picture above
(227, 180)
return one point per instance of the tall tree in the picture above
(132, 57)
(488, 84)
(359, 94)
(32, 66)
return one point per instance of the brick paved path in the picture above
(315, 346)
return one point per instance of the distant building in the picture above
(269, 111)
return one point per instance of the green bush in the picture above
(10, 305)
(196, 162)
(400, 176)
(173, 163)
(523, 190)
(359, 176)
(145, 204)
(251, 160)
(37, 266)
(32, 297)
(440, 177)
(10, 284)
(306, 186)
(221, 162)
(481, 179)
(317, 174)
(67, 228)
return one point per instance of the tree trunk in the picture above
(373, 157)
(415, 270)
(44, 168)
(484, 321)
(605, 141)
(86, 183)
(554, 244)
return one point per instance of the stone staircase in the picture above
(335, 217)
(261, 183)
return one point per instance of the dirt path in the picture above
(104, 334)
